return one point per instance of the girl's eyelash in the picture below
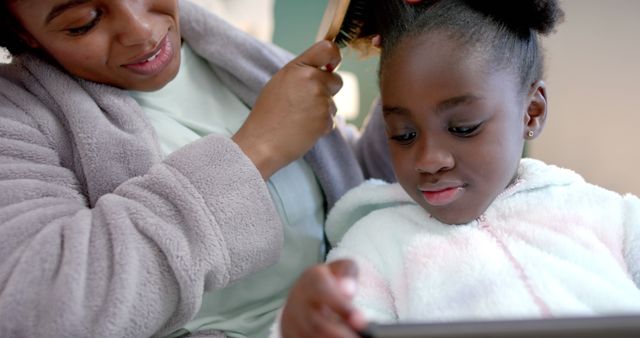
(405, 138)
(464, 131)
(77, 31)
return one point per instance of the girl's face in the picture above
(131, 44)
(456, 129)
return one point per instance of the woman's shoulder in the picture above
(10, 75)
(35, 98)
(15, 97)
(25, 95)
(28, 78)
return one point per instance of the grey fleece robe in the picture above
(100, 236)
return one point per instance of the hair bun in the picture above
(522, 15)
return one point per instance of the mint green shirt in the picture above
(196, 103)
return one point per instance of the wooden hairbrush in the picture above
(342, 21)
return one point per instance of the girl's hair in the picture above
(505, 32)
(9, 28)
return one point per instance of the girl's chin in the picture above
(452, 217)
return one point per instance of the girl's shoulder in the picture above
(549, 190)
(370, 205)
(536, 175)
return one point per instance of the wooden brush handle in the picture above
(332, 19)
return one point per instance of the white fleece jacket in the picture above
(550, 245)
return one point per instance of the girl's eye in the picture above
(464, 131)
(405, 138)
(76, 31)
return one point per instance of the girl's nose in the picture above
(432, 157)
(135, 26)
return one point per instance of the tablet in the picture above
(575, 327)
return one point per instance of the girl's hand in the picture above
(319, 304)
(293, 111)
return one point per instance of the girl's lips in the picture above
(442, 197)
(156, 62)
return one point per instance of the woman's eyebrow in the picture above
(60, 8)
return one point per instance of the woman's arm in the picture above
(137, 262)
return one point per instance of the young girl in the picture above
(136, 137)
(471, 231)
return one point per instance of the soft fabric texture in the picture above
(550, 245)
(194, 104)
(99, 236)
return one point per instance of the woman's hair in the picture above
(9, 28)
(504, 31)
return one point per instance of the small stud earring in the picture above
(530, 133)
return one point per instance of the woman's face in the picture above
(456, 129)
(130, 44)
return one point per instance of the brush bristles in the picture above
(353, 22)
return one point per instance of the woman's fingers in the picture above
(321, 54)
(293, 111)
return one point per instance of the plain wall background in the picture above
(296, 27)
(593, 73)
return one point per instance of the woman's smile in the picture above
(133, 45)
(154, 62)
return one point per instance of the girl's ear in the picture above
(536, 114)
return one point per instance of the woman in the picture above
(119, 209)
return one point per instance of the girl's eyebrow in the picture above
(456, 101)
(60, 8)
(442, 106)
(391, 110)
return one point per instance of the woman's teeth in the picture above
(153, 57)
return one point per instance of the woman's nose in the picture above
(135, 26)
(433, 157)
